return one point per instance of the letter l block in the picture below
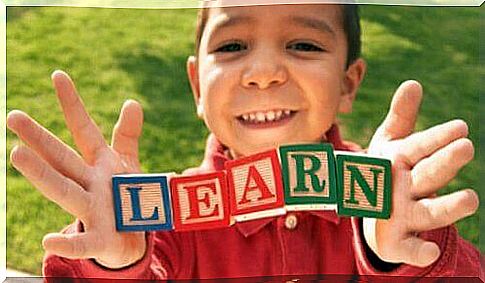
(142, 202)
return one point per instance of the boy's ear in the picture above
(353, 77)
(193, 74)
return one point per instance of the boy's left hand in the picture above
(422, 163)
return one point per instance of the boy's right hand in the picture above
(82, 185)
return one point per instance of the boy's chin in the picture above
(255, 146)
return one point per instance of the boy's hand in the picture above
(422, 163)
(82, 185)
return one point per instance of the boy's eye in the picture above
(231, 47)
(305, 46)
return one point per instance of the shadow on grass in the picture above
(442, 53)
(15, 13)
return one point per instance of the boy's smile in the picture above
(271, 75)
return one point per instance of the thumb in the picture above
(73, 246)
(402, 115)
(128, 129)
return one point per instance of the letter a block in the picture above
(364, 186)
(309, 176)
(200, 201)
(255, 186)
(142, 202)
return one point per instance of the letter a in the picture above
(255, 182)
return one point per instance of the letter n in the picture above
(364, 186)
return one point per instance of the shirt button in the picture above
(291, 221)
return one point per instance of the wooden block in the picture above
(142, 202)
(255, 186)
(309, 176)
(364, 186)
(200, 201)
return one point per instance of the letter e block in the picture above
(142, 202)
(255, 186)
(364, 186)
(200, 201)
(309, 176)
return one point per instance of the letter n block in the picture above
(200, 201)
(255, 186)
(364, 186)
(142, 202)
(309, 176)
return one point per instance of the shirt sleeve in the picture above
(458, 257)
(160, 262)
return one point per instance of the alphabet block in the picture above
(309, 176)
(364, 186)
(200, 201)
(142, 202)
(255, 186)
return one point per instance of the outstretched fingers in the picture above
(433, 213)
(48, 146)
(422, 144)
(127, 130)
(86, 133)
(56, 187)
(436, 171)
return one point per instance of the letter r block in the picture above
(364, 186)
(142, 202)
(309, 176)
(200, 201)
(255, 186)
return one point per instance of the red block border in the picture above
(275, 163)
(178, 225)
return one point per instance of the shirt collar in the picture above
(216, 154)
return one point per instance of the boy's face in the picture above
(272, 75)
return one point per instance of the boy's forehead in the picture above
(324, 16)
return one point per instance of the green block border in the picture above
(386, 209)
(284, 150)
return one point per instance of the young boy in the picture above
(262, 76)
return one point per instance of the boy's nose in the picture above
(264, 73)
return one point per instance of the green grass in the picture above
(115, 54)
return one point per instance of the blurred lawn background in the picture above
(116, 54)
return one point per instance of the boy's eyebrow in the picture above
(316, 24)
(226, 22)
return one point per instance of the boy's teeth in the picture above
(278, 114)
(269, 116)
(260, 116)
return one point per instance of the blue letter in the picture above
(135, 205)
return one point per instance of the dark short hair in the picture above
(351, 25)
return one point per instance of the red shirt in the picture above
(296, 244)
